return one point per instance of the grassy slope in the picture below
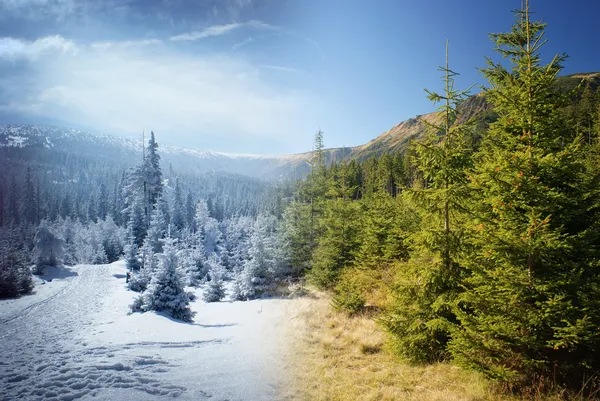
(336, 357)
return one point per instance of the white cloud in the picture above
(38, 9)
(15, 49)
(283, 69)
(126, 44)
(218, 30)
(188, 98)
(242, 43)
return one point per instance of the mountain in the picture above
(127, 151)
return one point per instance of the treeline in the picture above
(483, 250)
(89, 204)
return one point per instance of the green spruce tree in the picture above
(530, 305)
(421, 315)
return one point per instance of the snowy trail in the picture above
(75, 341)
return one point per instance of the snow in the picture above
(16, 141)
(73, 339)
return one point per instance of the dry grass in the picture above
(335, 357)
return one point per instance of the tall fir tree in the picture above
(531, 305)
(421, 315)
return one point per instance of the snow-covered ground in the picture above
(72, 339)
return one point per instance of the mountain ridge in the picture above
(117, 148)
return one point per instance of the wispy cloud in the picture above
(218, 30)
(283, 68)
(242, 43)
(123, 87)
(126, 44)
(16, 49)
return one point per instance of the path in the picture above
(74, 340)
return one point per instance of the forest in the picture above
(479, 244)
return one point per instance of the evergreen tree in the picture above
(190, 212)
(153, 172)
(157, 230)
(13, 202)
(103, 206)
(422, 316)
(215, 290)
(15, 274)
(255, 278)
(165, 293)
(49, 249)
(177, 216)
(27, 202)
(131, 250)
(2, 203)
(339, 240)
(531, 303)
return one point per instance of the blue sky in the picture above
(255, 76)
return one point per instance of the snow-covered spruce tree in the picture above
(215, 290)
(152, 172)
(48, 251)
(255, 278)
(141, 278)
(194, 261)
(165, 293)
(131, 251)
(157, 230)
(237, 242)
(213, 237)
(112, 238)
(15, 274)
(177, 211)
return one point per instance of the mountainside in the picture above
(127, 151)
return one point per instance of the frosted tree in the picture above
(102, 207)
(112, 237)
(157, 230)
(237, 242)
(258, 270)
(153, 173)
(202, 214)
(213, 237)
(131, 251)
(194, 261)
(215, 290)
(15, 274)
(137, 222)
(177, 216)
(49, 249)
(190, 212)
(165, 293)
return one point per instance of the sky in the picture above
(256, 76)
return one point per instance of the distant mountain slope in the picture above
(127, 151)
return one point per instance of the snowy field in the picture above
(72, 339)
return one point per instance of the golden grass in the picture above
(331, 356)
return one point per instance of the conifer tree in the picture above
(28, 199)
(131, 251)
(165, 293)
(531, 303)
(177, 216)
(339, 239)
(421, 315)
(215, 290)
(153, 173)
(103, 206)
